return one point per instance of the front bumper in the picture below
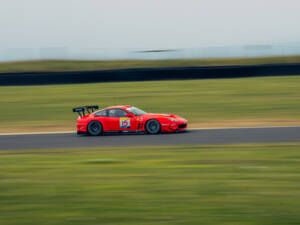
(174, 126)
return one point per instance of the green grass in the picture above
(231, 184)
(77, 65)
(272, 99)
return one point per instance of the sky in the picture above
(151, 24)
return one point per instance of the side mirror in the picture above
(129, 115)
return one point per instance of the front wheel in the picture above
(153, 127)
(94, 128)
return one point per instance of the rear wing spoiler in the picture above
(85, 109)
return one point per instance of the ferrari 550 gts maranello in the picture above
(125, 119)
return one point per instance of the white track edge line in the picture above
(216, 128)
(225, 128)
(28, 133)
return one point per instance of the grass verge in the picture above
(230, 184)
(264, 101)
(77, 65)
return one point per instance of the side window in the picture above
(116, 113)
(101, 113)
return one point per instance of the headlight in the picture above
(174, 120)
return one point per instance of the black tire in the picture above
(94, 128)
(153, 127)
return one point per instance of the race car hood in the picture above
(163, 115)
(153, 115)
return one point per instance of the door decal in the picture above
(124, 123)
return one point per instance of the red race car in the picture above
(125, 119)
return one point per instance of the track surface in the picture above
(191, 137)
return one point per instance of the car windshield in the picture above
(136, 111)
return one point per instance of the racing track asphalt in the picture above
(190, 137)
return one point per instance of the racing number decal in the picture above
(124, 123)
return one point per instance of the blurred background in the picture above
(95, 53)
(135, 29)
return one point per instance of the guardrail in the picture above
(147, 74)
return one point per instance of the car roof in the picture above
(118, 107)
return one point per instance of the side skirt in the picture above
(124, 132)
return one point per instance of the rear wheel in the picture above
(94, 128)
(153, 127)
